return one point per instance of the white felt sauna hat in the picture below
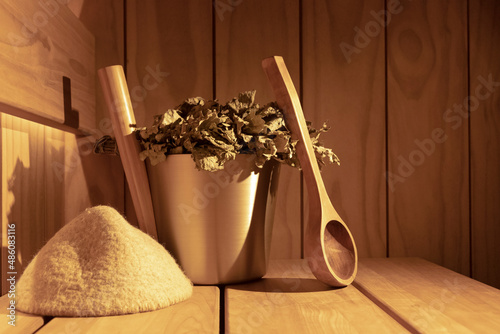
(99, 265)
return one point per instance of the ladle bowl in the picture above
(329, 246)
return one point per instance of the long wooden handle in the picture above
(288, 100)
(114, 86)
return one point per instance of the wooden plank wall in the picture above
(346, 89)
(49, 176)
(179, 38)
(417, 178)
(485, 139)
(428, 156)
(239, 49)
(41, 43)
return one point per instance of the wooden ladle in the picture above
(328, 245)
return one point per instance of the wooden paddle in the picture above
(114, 86)
(328, 246)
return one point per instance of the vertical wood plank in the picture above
(49, 176)
(19, 195)
(103, 175)
(105, 20)
(245, 33)
(169, 58)
(169, 54)
(30, 201)
(484, 33)
(344, 84)
(41, 43)
(428, 152)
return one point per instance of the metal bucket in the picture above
(217, 225)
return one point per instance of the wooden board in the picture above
(104, 19)
(199, 314)
(485, 139)
(49, 176)
(245, 33)
(430, 298)
(346, 88)
(428, 156)
(169, 58)
(169, 54)
(290, 300)
(47, 180)
(41, 43)
(24, 323)
(28, 150)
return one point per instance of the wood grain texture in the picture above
(430, 298)
(290, 300)
(104, 19)
(328, 244)
(49, 176)
(484, 25)
(40, 44)
(199, 314)
(346, 89)
(47, 179)
(116, 94)
(428, 155)
(23, 193)
(245, 33)
(24, 322)
(169, 58)
(38, 162)
(104, 174)
(169, 54)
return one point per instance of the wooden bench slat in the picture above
(430, 298)
(290, 300)
(25, 323)
(199, 314)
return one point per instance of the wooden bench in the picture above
(396, 295)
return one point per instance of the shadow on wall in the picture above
(34, 212)
(48, 180)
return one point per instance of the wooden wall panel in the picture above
(245, 33)
(428, 154)
(169, 57)
(343, 84)
(104, 174)
(41, 43)
(105, 20)
(35, 169)
(484, 35)
(20, 196)
(49, 176)
(169, 54)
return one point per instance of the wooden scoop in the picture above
(328, 246)
(114, 87)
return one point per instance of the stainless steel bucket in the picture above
(217, 225)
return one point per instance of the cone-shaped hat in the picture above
(97, 265)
